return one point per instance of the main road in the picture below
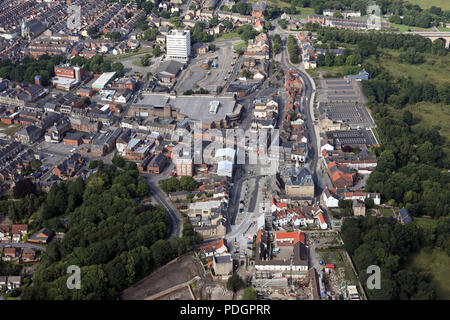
(176, 220)
(307, 108)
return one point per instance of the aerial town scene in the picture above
(224, 150)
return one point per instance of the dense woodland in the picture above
(113, 238)
(386, 243)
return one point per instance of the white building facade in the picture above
(178, 44)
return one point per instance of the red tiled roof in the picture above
(258, 237)
(331, 164)
(321, 218)
(295, 236)
(216, 245)
(329, 266)
(281, 204)
(17, 228)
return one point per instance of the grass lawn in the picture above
(129, 54)
(425, 4)
(426, 224)
(387, 212)
(443, 29)
(375, 133)
(436, 262)
(240, 45)
(304, 13)
(404, 28)
(228, 36)
(338, 71)
(435, 68)
(279, 3)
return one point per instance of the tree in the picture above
(24, 187)
(188, 183)
(118, 161)
(199, 33)
(36, 164)
(228, 25)
(170, 185)
(96, 164)
(92, 32)
(141, 23)
(175, 21)
(214, 21)
(235, 283)
(293, 49)
(161, 252)
(408, 117)
(150, 34)
(283, 23)
(118, 68)
(145, 60)
(249, 294)
(242, 8)
(369, 203)
(142, 189)
(115, 35)
(156, 51)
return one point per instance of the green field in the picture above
(127, 55)
(334, 71)
(437, 263)
(240, 45)
(430, 114)
(443, 29)
(435, 68)
(387, 212)
(304, 13)
(404, 28)
(280, 4)
(426, 224)
(425, 4)
(228, 36)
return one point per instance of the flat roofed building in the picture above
(184, 167)
(103, 80)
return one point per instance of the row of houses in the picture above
(23, 255)
(17, 232)
(297, 217)
(344, 23)
(10, 282)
